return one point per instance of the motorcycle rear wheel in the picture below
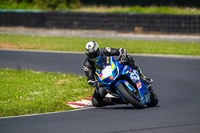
(129, 96)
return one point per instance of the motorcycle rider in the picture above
(93, 52)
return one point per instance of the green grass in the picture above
(77, 44)
(28, 92)
(112, 9)
(139, 9)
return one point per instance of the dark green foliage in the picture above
(41, 4)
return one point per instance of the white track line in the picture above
(45, 113)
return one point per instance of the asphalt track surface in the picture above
(176, 82)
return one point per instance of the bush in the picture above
(57, 4)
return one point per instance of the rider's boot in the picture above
(132, 64)
(144, 78)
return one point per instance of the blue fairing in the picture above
(110, 72)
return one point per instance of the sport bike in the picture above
(124, 82)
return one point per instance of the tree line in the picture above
(67, 4)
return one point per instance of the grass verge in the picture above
(106, 9)
(27, 92)
(77, 44)
(139, 9)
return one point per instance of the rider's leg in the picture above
(99, 99)
(132, 63)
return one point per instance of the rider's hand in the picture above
(123, 58)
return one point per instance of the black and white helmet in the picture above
(92, 50)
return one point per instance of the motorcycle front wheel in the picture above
(129, 96)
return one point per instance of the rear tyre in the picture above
(154, 100)
(129, 96)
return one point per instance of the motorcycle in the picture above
(124, 82)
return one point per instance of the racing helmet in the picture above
(92, 50)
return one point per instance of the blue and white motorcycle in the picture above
(123, 81)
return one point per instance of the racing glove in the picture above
(123, 59)
(123, 55)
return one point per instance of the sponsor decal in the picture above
(127, 83)
(108, 49)
(139, 85)
(125, 67)
(85, 68)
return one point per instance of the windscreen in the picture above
(101, 63)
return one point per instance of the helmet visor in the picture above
(94, 55)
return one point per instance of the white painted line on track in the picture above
(10, 117)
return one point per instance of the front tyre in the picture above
(154, 100)
(129, 96)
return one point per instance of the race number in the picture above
(134, 76)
